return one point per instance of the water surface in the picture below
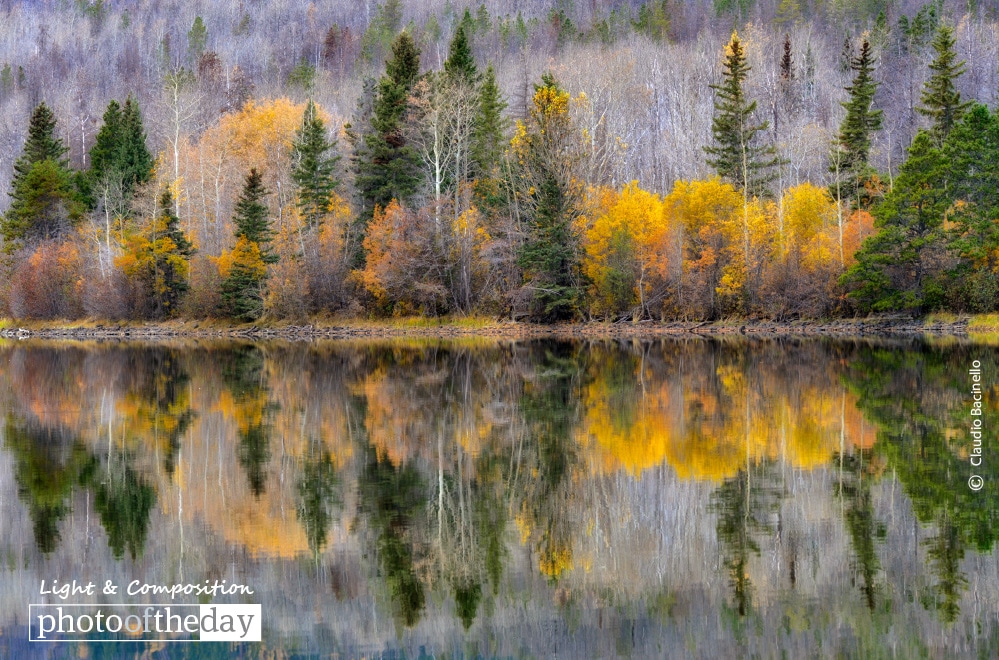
(700, 497)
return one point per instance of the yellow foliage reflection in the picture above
(709, 424)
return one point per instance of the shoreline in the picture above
(886, 327)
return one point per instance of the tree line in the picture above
(436, 199)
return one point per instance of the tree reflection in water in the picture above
(596, 486)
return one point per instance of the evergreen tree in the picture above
(853, 145)
(941, 102)
(137, 162)
(786, 61)
(44, 200)
(460, 64)
(901, 266)
(160, 259)
(104, 153)
(971, 149)
(245, 271)
(197, 40)
(119, 152)
(42, 143)
(387, 167)
(547, 151)
(736, 154)
(488, 141)
(314, 169)
(250, 217)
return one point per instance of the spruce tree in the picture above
(848, 162)
(489, 139)
(787, 61)
(547, 151)
(387, 167)
(42, 143)
(161, 259)
(314, 167)
(460, 64)
(44, 200)
(245, 266)
(137, 162)
(119, 152)
(941, 102)
(104, 153)
(971, 149)
(860, 121)
(897, 268)
(250, 216)
(736, 154)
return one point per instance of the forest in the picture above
(538, 161)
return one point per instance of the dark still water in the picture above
(701, 498)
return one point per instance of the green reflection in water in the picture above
(243, 374)
(921, 402)
(50, 464)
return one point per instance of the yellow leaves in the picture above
(555, 560)
(260, 134)
(246, 254)
(710, 204)
(807, 210)
(625, 240)
(551, 102)
(709, 426)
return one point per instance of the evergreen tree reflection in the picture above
(124, 502)
(856, 472)
(920, 400)
(243, 374)
(317, 495)
(50, 464)
(392, 498)
(745, 505)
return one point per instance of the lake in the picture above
(698, 497)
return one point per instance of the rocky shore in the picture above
(866, 327)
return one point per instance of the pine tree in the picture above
(488, 141)
(460, 64)
(314, 167)
(44, 200)
(850, 153)
(941, 102)
(387, 167)
(736, 154)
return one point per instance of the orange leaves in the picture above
(386, 249)
(49, 283)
